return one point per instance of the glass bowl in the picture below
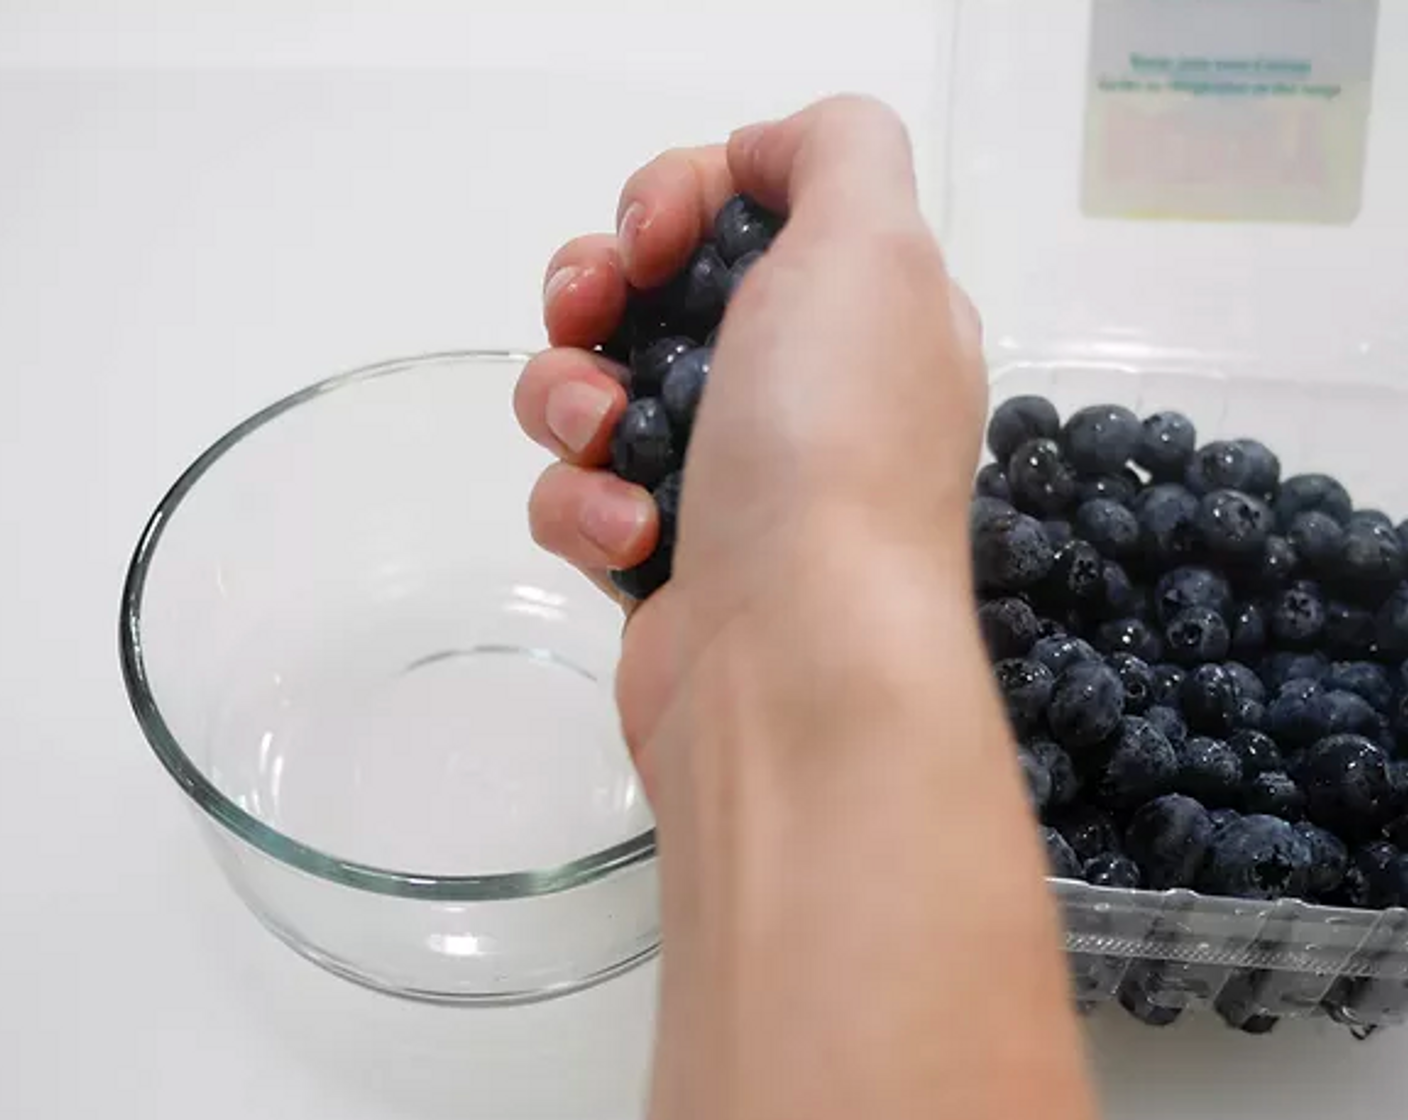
(392, 712)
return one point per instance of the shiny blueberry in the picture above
(1026, 687)
(1256, 751)
(1010, 551)
(1234, 525)
(1318, 540)
(1258, 857)
(1306, 492)
(1196, 636)
(1168, 529)
(1088, 830)
(1365, 678)
(1297, 615)
(1019, 419)
(1210, 771)
(1248, 630)
(1136, 678)
(992, 483)
(1129, 635)
(1169, 838)
(1350, 630)
(1181, 588)
(1328, 858)
(1101, 438)
(1087, 704)
(1223, 465)
(1009, 627)
(1065, 782)
(1142, 765)
(1122, 487)
(643, 447)
(650, 363)
(1060, 651)
(1167, 441)
(1042, 482)
(1168, 684)
(1109, 526)
(1168, 720)
(1110, 869)
(1274, 793)
(1346, 782)
(742, 226)
(1210, 698)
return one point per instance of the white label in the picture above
(1249, 110)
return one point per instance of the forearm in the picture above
(853, 918)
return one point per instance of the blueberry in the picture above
(1369, 517)
(1222, 465)
(1010, 551)
(1168, 721)
(1264, 468)
(654, 572)
(1168, 529)
(1317, 539)
(1279, 564)
(1249, 714)
(1168, 684)
(1129, 635)
(696, 296)
(1256, 751)
(1221, 818)
(1169, 838)
(1248, 683)
(1076, 574)
(1181, 588)
(1247, 627)
(1026, 688)
(992, 483)
(1371, 559)
(1276, 794)
(1065, 782)
(1234, 525)
(1209, 696)
(650, 363)
(742, 226)
(1349, 629)
(1087, 704)
(1038, 779)
(1110, 869)
(1009, 627)
(985, 513)
(1042, 482)
(1058, 532)
(1018, 420)
(1109, 527)
(1292, 717)
(1136, 678)
(739, 269)
(1060, 860)
(1088, 831)
(643, 446)
(1335, 711)
(1258, 857)
(1210, 771)
(684, 386)
(1117, 597)
(1391, 624)
(1364, 875)
(1196, 636)
(1060, 651)
(1101, 438)
(1297, 616)
(1121, 488)
(1167, 441)
(1142, 765)
(1347, 787)
(1364, 678)
(1305, 492)
(1288, 665)
(1328, 858)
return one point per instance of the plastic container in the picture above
(1292, 332)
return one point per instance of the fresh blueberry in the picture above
(1274, 793)
(1009, 627)
(1167, 441)
(1210, 771)
(1089, 831)
(1347, 787)
(1209, 697)
(1101, 438)
(654, 572)
(1364, 678)
(1042, 482)
(1169, 838)
(1288, 665)
(1279, 564)
(643, 446)
(1264, 467)
(1087, 704)
(684, 386)
(1019, 419)
(1371, 559)
(1304, 492)
(1010, 551)
(985, 512)
(1365, 875)
(1248, 630)
(1222, 465)
(1060, 860)
(1318, 541)
(1118, 597)
(1328, 858)
(1058, 532)
(1293, 718)
(1110, 527)
(650, 363)
(1335, 712)
(1121, 488)
(1136, 678)
(1349, 629)
(742, 226)
(1129, 635)
(1297, 617)
(1256, 751)
(1234, 525)
(992, 483)
(1110, 869)
(1196, 636)
(1181, 588)
(1060, 651)
(1142, 765)
(1369, 517)
(1249, 715)
(1038, 779)
(1391, 624)
(1065, 782)
(1248, 683)
(1258, 857)
(1076, 575)
(1026, 687)
(1168, 528)
(1168, 684)
(1167, 720)
(696, 296)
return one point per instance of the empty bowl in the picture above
(392, 712)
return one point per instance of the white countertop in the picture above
(200, 211)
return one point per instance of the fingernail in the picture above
(575, 413)
(627, 229)
(614, 521)
(558, 281)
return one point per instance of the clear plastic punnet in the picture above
(1212, 219)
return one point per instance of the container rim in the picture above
(214, 804)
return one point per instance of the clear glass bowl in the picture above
(393, 713)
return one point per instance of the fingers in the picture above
(846, 158)
(584, 292)
(592, 518)
(569, 402)
(666, 208)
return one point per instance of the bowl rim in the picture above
(285, 849)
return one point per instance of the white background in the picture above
(202, 208)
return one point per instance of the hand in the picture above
(846, 397)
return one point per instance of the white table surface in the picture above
(200, 211)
